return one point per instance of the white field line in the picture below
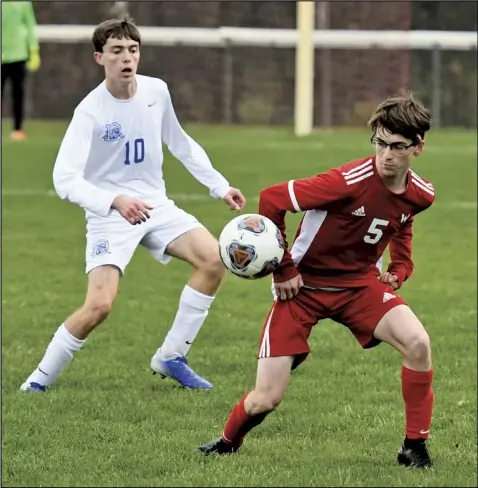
(300, 145)
(321, 146)
(198, 197)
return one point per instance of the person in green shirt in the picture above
(20, 51)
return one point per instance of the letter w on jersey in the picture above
(113, 132)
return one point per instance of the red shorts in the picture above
(289, 322)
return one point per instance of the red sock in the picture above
(240, 423)
(418, 394)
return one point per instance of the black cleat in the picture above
(218, 446)
(414, 454)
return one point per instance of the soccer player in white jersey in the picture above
(110, 163)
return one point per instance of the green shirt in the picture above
(18, 31)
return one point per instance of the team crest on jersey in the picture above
(100, 247)
(113, 132)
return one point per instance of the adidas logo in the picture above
(360, 212)
(387, 297)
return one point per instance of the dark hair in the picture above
(402, 114)
(122, 28)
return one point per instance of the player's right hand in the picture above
(289, 289)
(235, 199)
(390, 279)
(133, 210)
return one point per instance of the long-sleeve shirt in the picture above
(350, 219)
(19, 34)
(114, 147)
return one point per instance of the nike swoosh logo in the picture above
(424, 431)
(151, 104)
(46, 374)
(188, 343)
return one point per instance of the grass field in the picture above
(109, 422)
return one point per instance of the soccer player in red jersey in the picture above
(352, 213)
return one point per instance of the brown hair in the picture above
(122, 28)
(402, 114)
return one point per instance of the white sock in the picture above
(58, 356)
(191, 314)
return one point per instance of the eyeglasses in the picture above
(394, 146)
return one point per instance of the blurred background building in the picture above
(263, 78)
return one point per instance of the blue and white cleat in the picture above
(178, 369)
(34, 387)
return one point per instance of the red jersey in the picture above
(350, 219)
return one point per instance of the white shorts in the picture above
(113, 240)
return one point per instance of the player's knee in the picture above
(419, 348)
(266, 401)
(213, 266)
(270, 402)
(98, 310)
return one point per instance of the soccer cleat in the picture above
(414, 454)
(218, 446)
(35, 387)
(178, 369)
(18, 135)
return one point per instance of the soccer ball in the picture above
(251, 246)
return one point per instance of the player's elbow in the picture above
(265, 200)
(408, 271)
(275, 200)
(264, 195)
(58, 186)
(62, 182)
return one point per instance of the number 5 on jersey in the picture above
(374, 233)
(137, 149)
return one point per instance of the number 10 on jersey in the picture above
(137, 149)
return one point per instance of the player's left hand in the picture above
(34, 61)
(235, 199)
(390, 279)
(290, 288)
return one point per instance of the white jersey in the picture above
(114, 147)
